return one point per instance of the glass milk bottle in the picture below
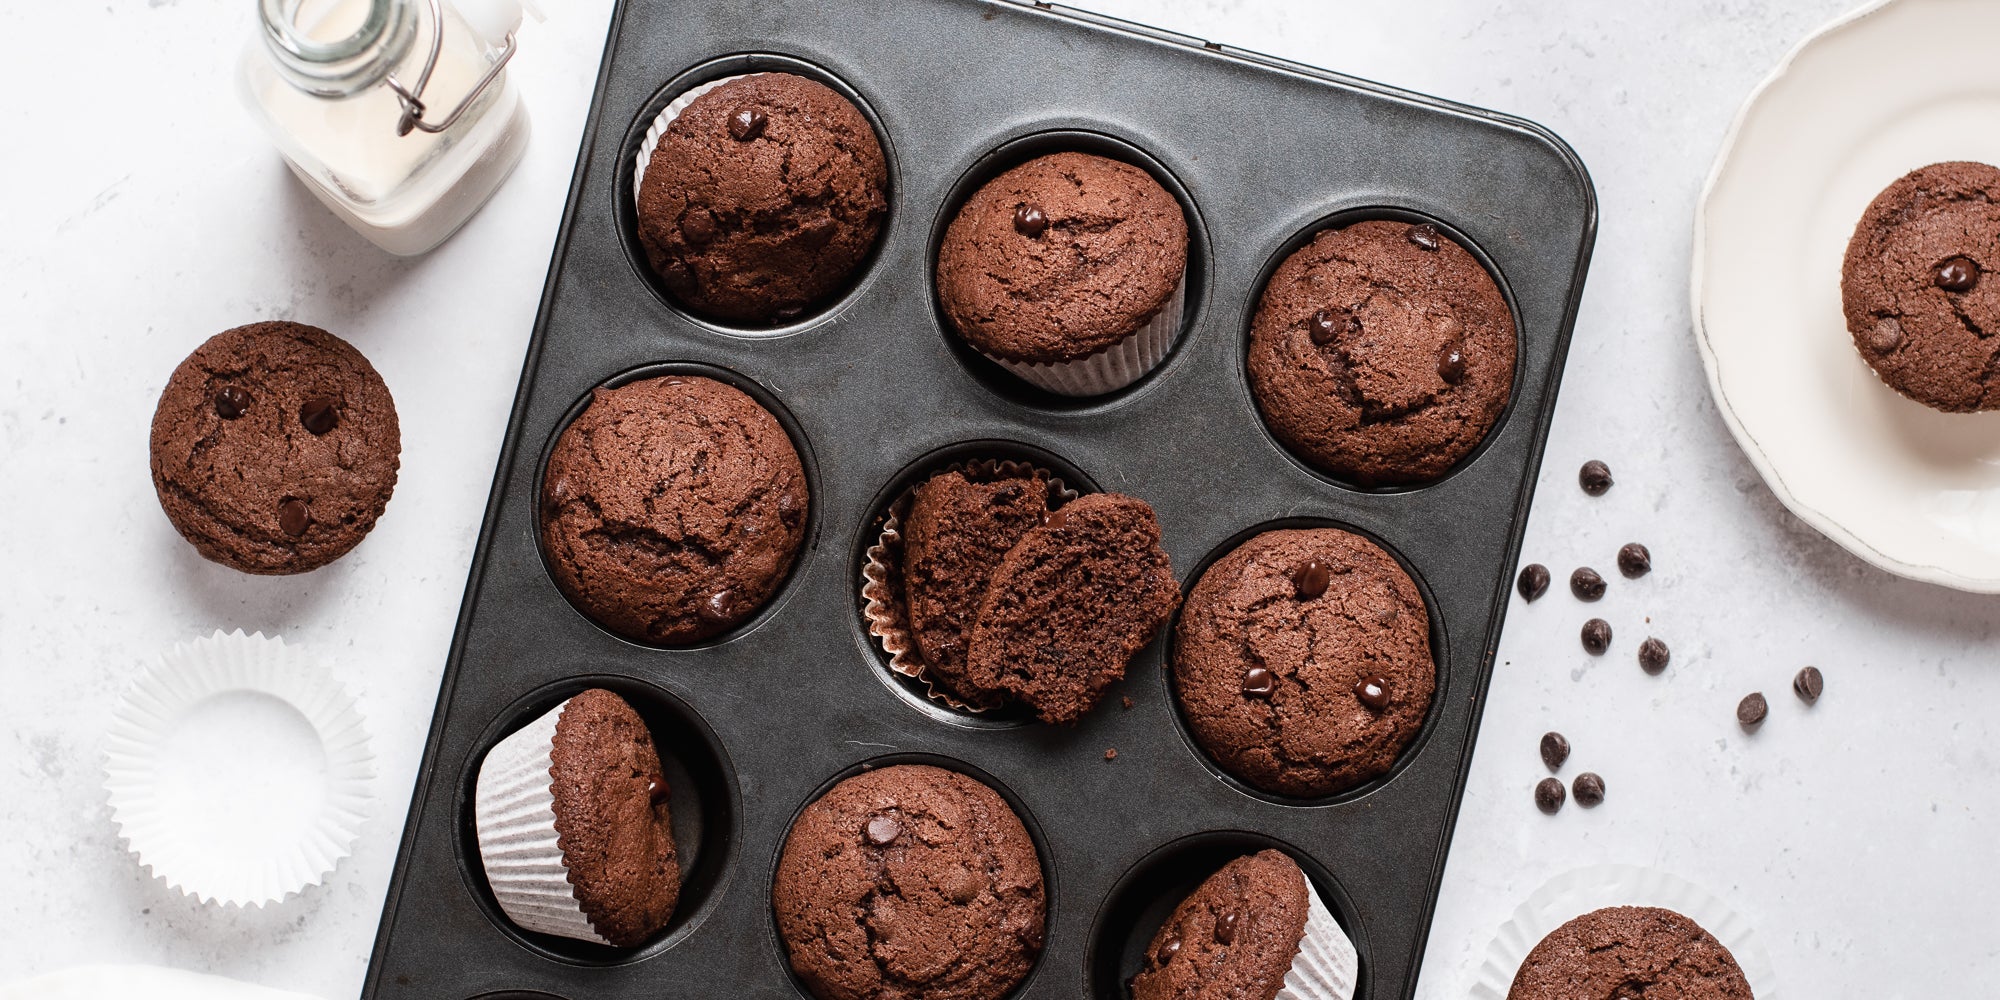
(397, 114)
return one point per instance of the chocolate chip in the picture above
(1596, 636)
(1634, 561)
(1653, 655)
(1589, 789)
(1555, 750)
(1168, 951)
(1957, 274)
(1451, 364)
(747, 124)
(1374, 692)
(320, 414)
(1225, 926)
(1259, 682)
(1809, 685)
(962, 884)
(1056, 519)
(719, 607)
(1549, 795)
(882, 829)
(294, 516)
(1887, 335)
(1751, 710)
(1534, 581)
(1587, 584)
(1328, 324)
(698, 226)
(1031, 221)
(656, 791)
(1594, 477)
(230, 402)
(1310, 578)
(1425, 235)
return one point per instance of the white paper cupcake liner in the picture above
(235, 845)
(1584, 890)
(1326, 966)
(884, 609)
(1115, 367)
(514, 811)
(665, 118)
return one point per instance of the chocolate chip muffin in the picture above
(1920, 308)
(1070, 605)
(910, 882)
(1302, 661)
(1243, 933)
(275, 448)
(762, 198)
(1630, 951)
(672, 508)
(1382, 353)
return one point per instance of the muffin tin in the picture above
(873, 389)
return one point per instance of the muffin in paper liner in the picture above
(665, 118)
(1575, 893)
(227, 844)
(1326, 967)
(883, 605)
(1115, 367)
(514, 813)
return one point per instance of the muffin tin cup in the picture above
(514, 813)
(1115, 367)
(666, 117)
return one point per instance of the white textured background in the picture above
(140, 212)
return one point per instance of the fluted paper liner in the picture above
(1115, 367)
(665, 118)
(514, 811)
(1584, 890)
(884, 609)
(1326, 966)
(263, 864)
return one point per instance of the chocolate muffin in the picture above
(1070, 605)
(1630, 951)
(1302, 661)
(910, 882)
(672, 508)
(275, 448)
(1920, 308)
(762, 198)
(955, 535)
(1243, 933)
(1062, 258)
(1382, 353)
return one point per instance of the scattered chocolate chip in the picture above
(1374, 692)
(1957, 274)
(294, 516)
(1549, 795)
(320, 414)
(1055, 520)
(1328, 324)
(1310, 579)
(1259, 683)
(656, 791)
(1587, 584)
(1534, 581)
(1653, 655)
(1425, 235)
(1596, 636)
(1031, 221)
(1111, 754)
(1225, 926)
(1634, 560)
(1594, 477)
(747, 124)
(882, 829)
(1751, 710)
(719, 607)
(1809, 685)
(698, 226)
(1451, 364)
(1589, 789)
(1555, 750)
(1887, 335)
(230, 402)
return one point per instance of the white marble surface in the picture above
(141, 213)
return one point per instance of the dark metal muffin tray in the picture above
(874, 391)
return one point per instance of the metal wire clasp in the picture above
(413, 100)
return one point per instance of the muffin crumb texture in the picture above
(1633, 952)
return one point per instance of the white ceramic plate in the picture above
(1891, 87)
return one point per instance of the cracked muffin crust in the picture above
(611, 814)
(1382, 353)
(1302, 661)
(1919, 303)
(1235, 936)
(672, 508)
(762, 198)
(275, 448)
(910, 882)
(1630, 953)
(1060, 258)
